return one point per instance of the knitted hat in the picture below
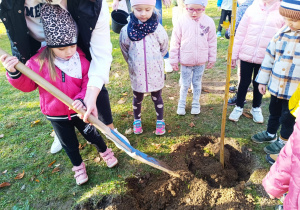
(147, 2)
(201, 2)
(59, 27)
(290, 9)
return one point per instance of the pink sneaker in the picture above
(137, 127)
(160, 128)
(109, 158)
(80, 174)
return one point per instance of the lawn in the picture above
(25, 136)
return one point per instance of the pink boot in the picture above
(109, 158)
(80, 174)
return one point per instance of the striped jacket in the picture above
(280, 68)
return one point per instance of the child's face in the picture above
(143, 12)
(65, 52)
(195, 10)
(292, 23)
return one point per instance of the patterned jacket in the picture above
(281, 66)
(145, 59)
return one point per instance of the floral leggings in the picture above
(157, 100)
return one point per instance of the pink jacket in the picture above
(72, 87)
(284, 175)
(255, 31)
(193, 42)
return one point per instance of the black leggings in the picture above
(247, 70)
(65, 131)
(224, 14)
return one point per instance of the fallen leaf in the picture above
(37, 180)
(211, 108)
(124, 94)
(97, 160)
(1, 136)
(74, 193)
(81, 146)
(4, 172)
(4, 184)
(56, 169)
(130, 113)
(20, 175)
(56, 165)
(222, 38)
(146, 94)
(247, 115)
(52, 134)
(207, 91)
(171, 98)
(21, 117)
(32, 178)
(169, 131)
(168, 86)
(250, 150)
(119, 176)
(42, 171)
(121, 101)
(156, 145)
(116, 75)
(34, 122)
(51, 163)
(128, 131)
(192, 124)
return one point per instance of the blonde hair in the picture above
(47, 57)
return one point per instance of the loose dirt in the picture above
(203, 183)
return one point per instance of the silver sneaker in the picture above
(56, 145)
(236, 113)
(257, 115)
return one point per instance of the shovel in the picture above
(117, 139)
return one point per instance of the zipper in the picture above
(63, 78)
(145, 60)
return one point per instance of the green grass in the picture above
(26, 148)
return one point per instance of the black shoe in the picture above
(271, 158)
(232, 89)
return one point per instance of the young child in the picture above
(65, 67)
(251, 40)
(193, 43)
(226, 8)
(144, 42)
(281, 71)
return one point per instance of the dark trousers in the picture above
(247, 70)
(224, 14)
(280, 115)
(103, 106)
(65, 131)
(157, 100)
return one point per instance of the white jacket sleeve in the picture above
(100, 49)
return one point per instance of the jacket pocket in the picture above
(187, 58)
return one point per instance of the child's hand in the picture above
(233, 63)
(210, 65)
(9, 62)
(175, 67)
(262, 89)
(115, 4)
(77, 104)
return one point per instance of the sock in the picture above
(160, 120)
(271, 135)
(282, 140)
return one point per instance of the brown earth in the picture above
(203, 183)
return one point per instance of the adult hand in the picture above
(77, 104)
(115, 4)
(167, 3)
(233, 63)
(90, 102)
(175, 67)
(210, 65)
(262, 89)
(9, 62)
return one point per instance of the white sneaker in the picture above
(257, 115)
(168, 67)
(236, 113)
(122, 136)
(56, 145)
(195, 110)
(181, 111)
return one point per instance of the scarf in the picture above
(71, 67)
(137, 30)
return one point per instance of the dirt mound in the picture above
(203, 183)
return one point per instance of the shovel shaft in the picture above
(136, 154)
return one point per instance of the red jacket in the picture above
(72, 87)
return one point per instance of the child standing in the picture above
(193, 43)
(144, 42)
(251, 40)
(226, 8)
(281, 71)
(65, 67)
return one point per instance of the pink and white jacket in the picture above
(193, 43)
(72, 87)
(255, 31)
(284, 175)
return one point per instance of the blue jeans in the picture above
(158, 6)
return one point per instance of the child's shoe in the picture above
(232, 89)
(195, 109)
(263, 137)
(80, 174)
(236, 113)
(257, 115)
(160, 127)
(137, 127)
(109, 158)
(180, 111)
(219, 34)
(56, 145)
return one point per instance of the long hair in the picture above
(47, 57)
